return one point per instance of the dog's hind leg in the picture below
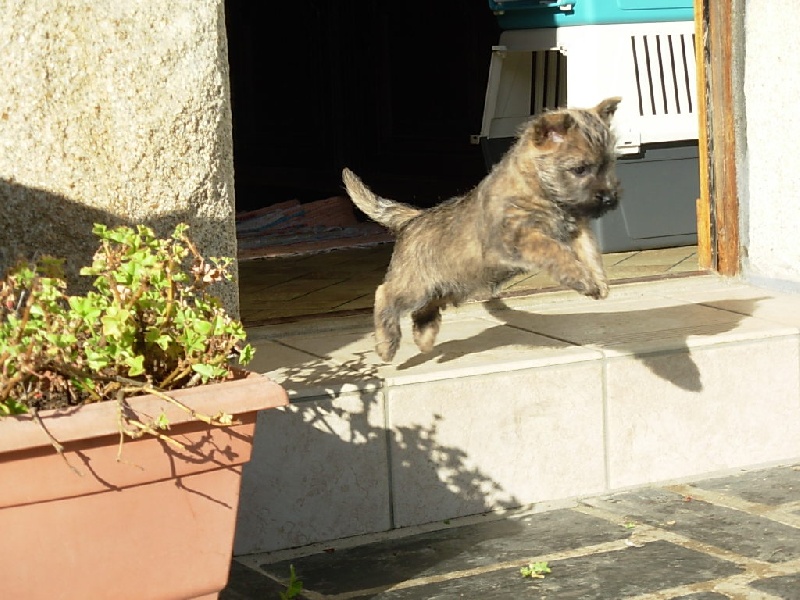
(387, 324)
(426, 325)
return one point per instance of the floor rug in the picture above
(292, 228)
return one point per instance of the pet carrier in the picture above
(652, 67)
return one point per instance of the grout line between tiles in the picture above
(732, 502)
(683, 260)
(606, 421)
(387, 428)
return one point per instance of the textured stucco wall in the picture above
(114, 111)
(769, 177)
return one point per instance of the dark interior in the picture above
(393, 90)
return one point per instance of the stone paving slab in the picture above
(740, 541)
(733, 530)
(442, 552)
(784, 586)
(608, 575)
(248, 584)
(773, 487)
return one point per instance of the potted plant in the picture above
(123, 425)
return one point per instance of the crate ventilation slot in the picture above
(662, 69)
(549, 77)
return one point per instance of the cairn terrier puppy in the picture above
(531, 211)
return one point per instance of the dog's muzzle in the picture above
(606, 199)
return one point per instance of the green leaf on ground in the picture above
(535, 570)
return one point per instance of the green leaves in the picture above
(161, 422)
(157, 337)
(535, 570)
(97, 361)
(209, 371)
(12, 407)
(135, 365)
(294, 588)
(115, 321)
(246, 354)
(84, 308)
(149, 319)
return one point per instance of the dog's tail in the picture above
(388, 213)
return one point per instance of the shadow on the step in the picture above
(640, 333)
(328, 468)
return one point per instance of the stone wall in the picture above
(116, 112)
(769, 184)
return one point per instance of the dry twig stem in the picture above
(56, 444)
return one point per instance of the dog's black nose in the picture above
(606, 198)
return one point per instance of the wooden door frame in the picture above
(718, 205)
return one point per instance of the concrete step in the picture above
(524, 402)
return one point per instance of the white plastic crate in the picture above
(651, 65)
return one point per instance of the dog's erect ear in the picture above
(607, 108)
(551, 128)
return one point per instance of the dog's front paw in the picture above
(594, 289)
(387, 349)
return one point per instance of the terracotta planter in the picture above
(157, 525)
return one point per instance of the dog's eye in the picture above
(580, 170)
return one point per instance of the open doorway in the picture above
(392, 91)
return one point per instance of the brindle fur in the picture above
(531, 211)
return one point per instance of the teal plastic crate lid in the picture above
(539, 14)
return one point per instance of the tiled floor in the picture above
(715, 539)
(281, 289)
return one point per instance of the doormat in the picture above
(292, 228)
